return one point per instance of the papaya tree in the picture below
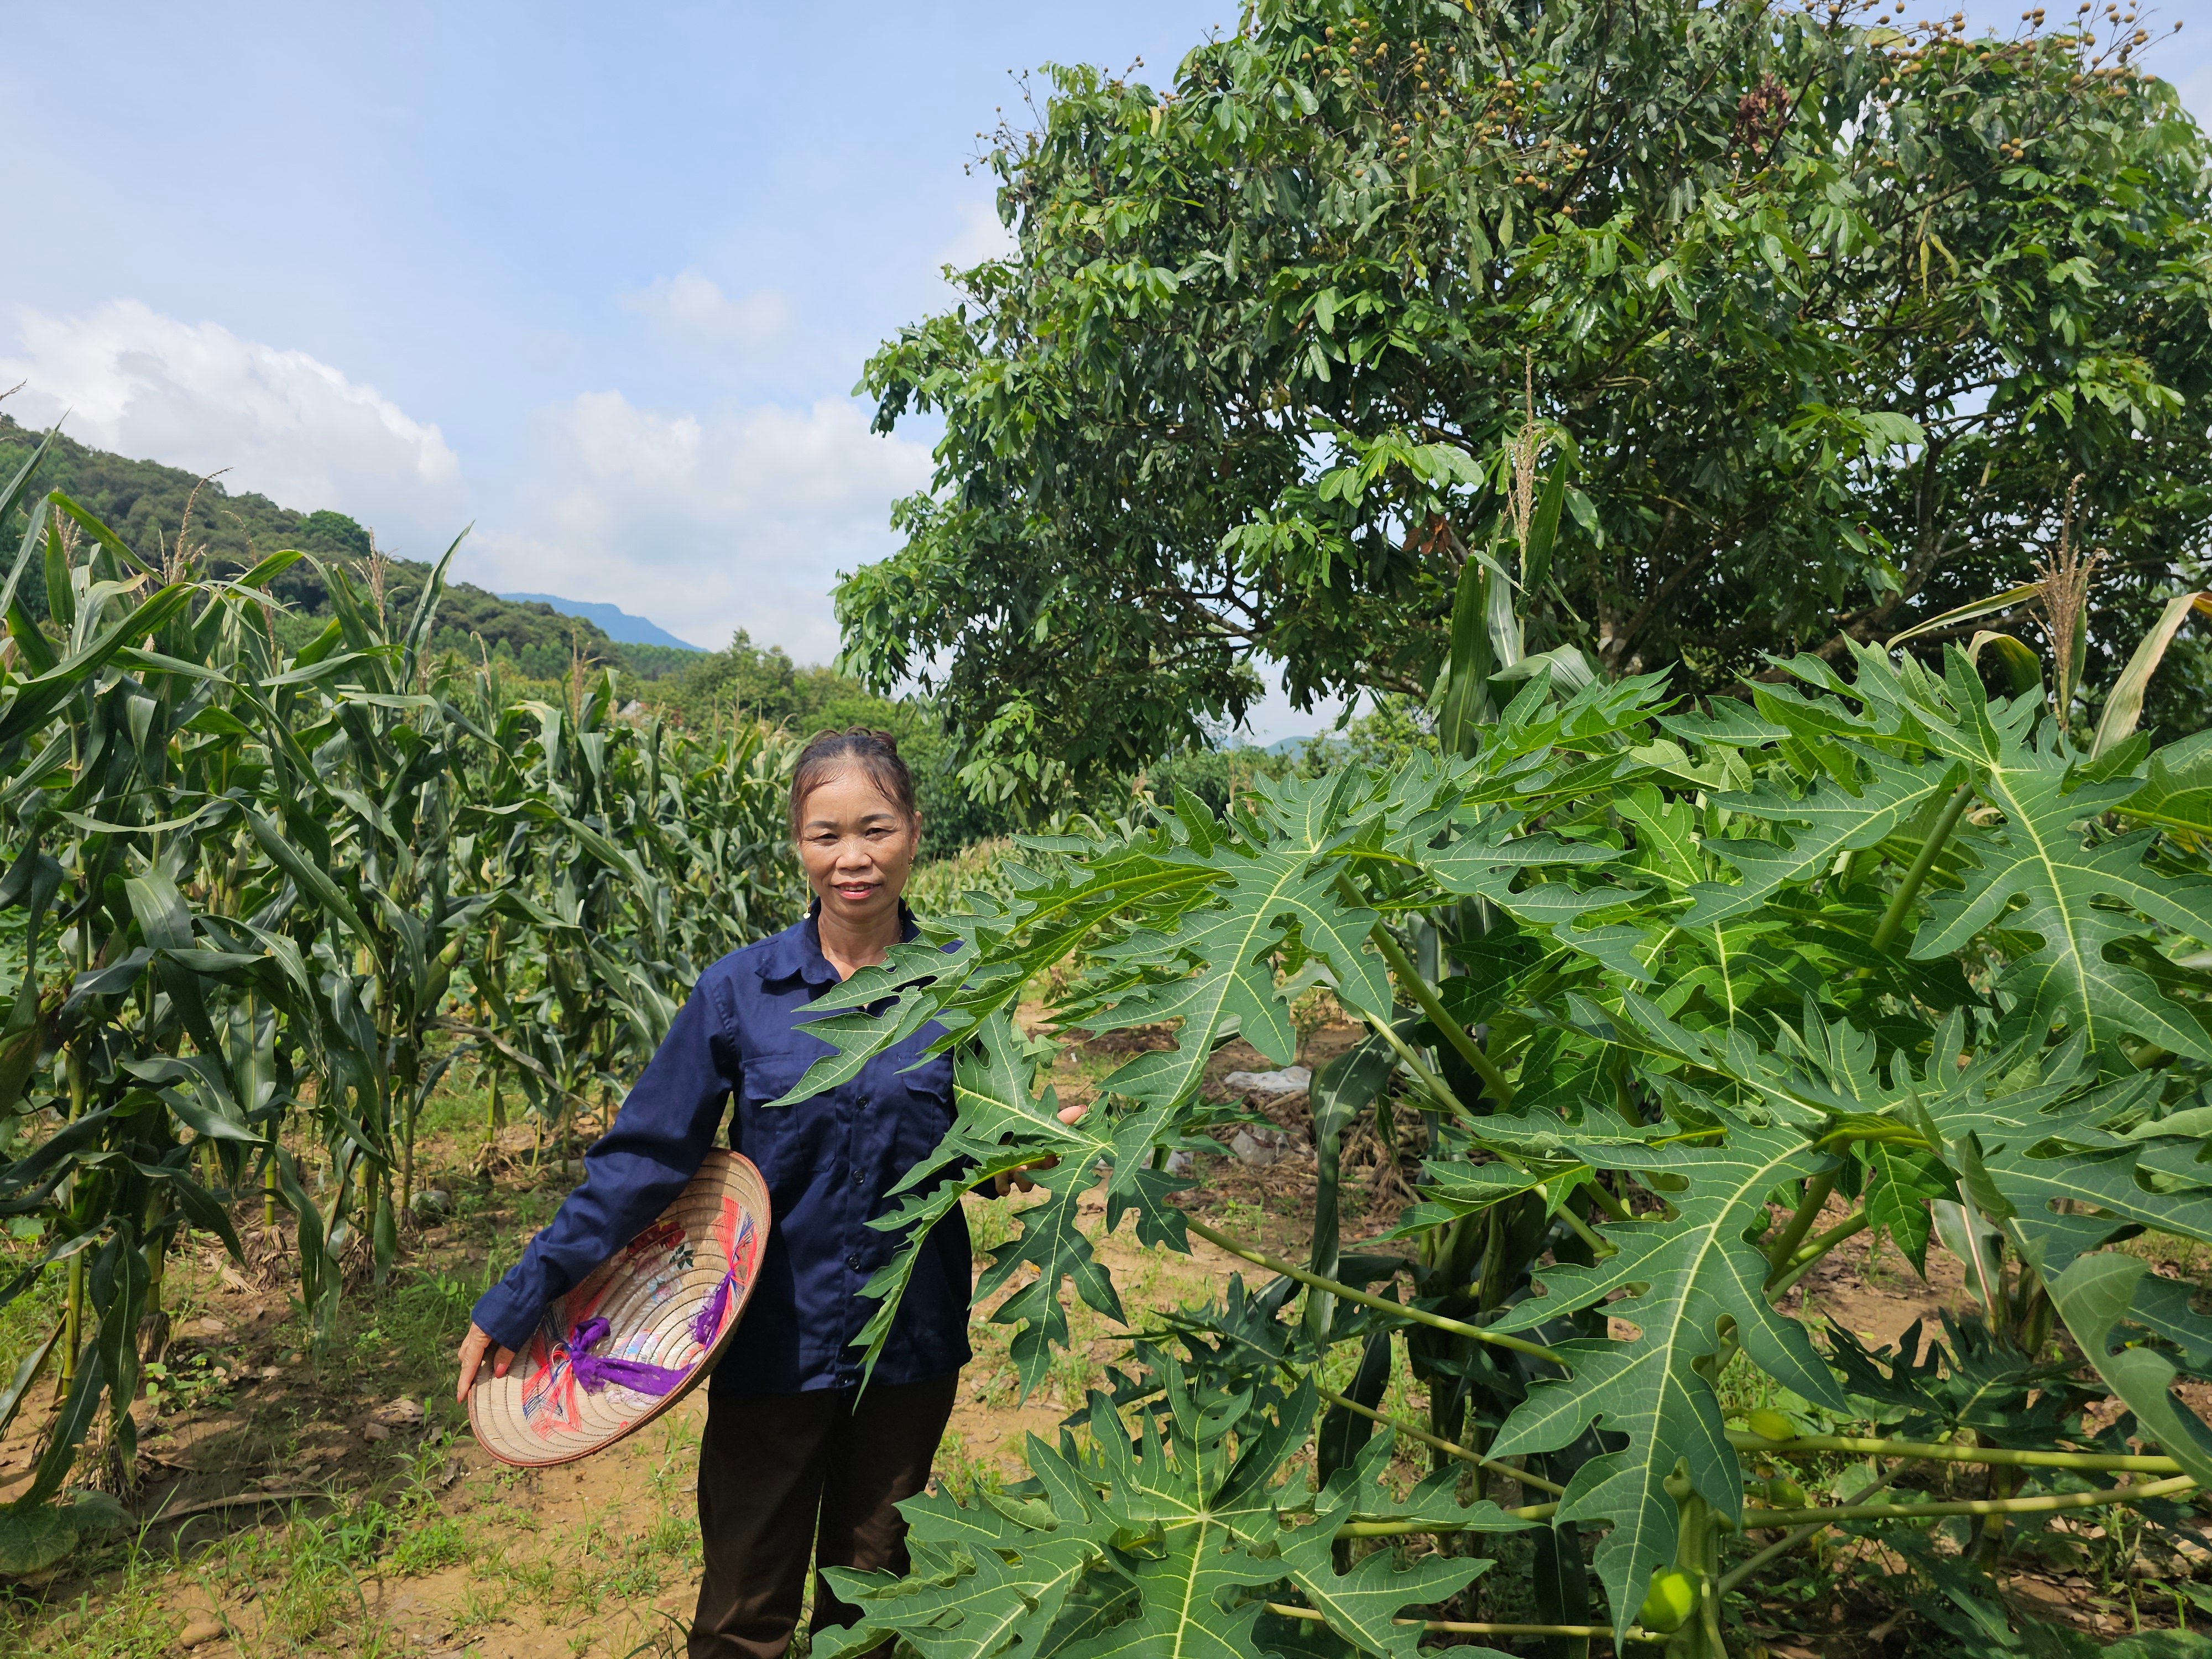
(1708, 991)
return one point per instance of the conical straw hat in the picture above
(670, 1299)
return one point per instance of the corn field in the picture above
(257, 901)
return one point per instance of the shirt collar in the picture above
(796, 953)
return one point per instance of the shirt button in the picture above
(853, 1261)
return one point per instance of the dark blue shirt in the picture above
(829, 1163)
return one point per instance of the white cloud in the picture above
(706, 524)
(691, 306)
(981, 237)
(197, 396)
(1273, 719)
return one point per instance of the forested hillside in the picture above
(146, 504)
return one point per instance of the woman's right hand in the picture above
(474, 1347)
(1013, 1180)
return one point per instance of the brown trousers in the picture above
(786, 1476)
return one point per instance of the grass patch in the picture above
(28, 1321)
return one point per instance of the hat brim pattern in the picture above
(657, 1293)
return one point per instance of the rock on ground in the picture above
(1288, 1081)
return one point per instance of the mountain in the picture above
(148, 504)
(614, 622)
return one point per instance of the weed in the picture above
(458, 1113)
(26, 1321)
(990, 1222)
(442, 1542)
(127, 1620)
(483, 1602)
(191, 1383)
(1313, 1011)
(961, 1473)
(1238, 1216)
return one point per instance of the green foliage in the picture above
(1696, 1284)
(624, 858)
(145, 504)
(940, 886)
(649, 663)
(1139, 1547)
(1807, 324)
(1728, 965)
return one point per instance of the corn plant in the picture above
(636, 857)
(144, 1067)
(249, 894)
(1709, 992)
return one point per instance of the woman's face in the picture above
(858, 847)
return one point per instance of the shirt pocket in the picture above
(789, 1144)
(772, 1074)
(925, 1108)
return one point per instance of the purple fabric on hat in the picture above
(595, 1371)
(708, 1321)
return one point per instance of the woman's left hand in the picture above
(477, 1348)
(1014, 1181)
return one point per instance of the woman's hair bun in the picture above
(828, 751)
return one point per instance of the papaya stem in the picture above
(1381, 1305)
(1477, 1627)
(1455, 1034)
(1941, 1452)
(1783, 1546)
(1424, 1528)
(1436, 1086)
(1778, 1255)
(1810, 1254)
(1450, 1448)
(2041, 1504)
(1892, 920)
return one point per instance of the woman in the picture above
(794, 1454)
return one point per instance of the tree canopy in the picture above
(1817, 321)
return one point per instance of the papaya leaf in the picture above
(1161, 1544)
(1831, 819)
(1257, 896)
(2041, 875)
(1900, 1182)
(999, 1125)
(1684, 1276)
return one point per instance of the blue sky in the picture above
(598, 279)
